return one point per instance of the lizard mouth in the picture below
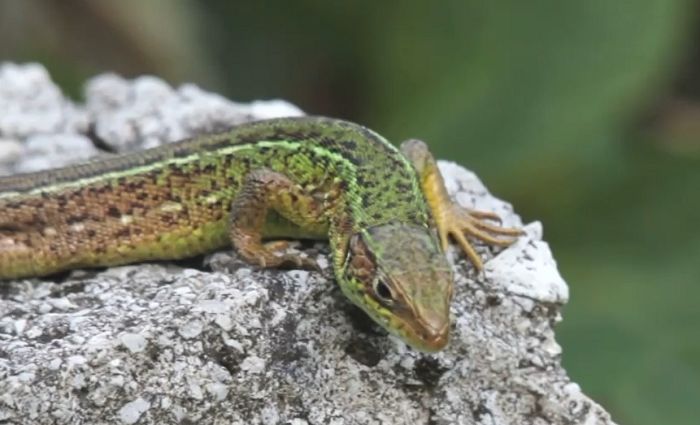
(432, 341)
(425, 339)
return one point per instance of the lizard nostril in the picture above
(437, 337)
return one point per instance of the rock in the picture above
(226, 343)
(10, 151)
(132, 411)
(43, 151)
(30, 103)
(147, 112)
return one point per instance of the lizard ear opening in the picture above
(356, 243)
(360, 262)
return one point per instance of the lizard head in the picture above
(397, 273)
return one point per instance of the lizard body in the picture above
(385, 212)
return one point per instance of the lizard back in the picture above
(172, 201)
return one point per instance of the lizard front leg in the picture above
(452, 219)
(263, 190)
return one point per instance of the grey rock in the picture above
(44, 151)
(30, 103)
(132, 411)
(136, 343)
(146, 112)
(231, 344)
(10, 151)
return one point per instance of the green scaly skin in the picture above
(307, 177)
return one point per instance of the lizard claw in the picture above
(460, 222)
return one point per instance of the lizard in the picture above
(385, 212)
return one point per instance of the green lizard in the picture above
(385, 212)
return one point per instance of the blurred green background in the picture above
(585, 115)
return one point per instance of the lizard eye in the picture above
(382, 290)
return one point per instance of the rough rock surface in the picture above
(219, 342)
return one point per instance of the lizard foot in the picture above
(458, 222)
(274, 254)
